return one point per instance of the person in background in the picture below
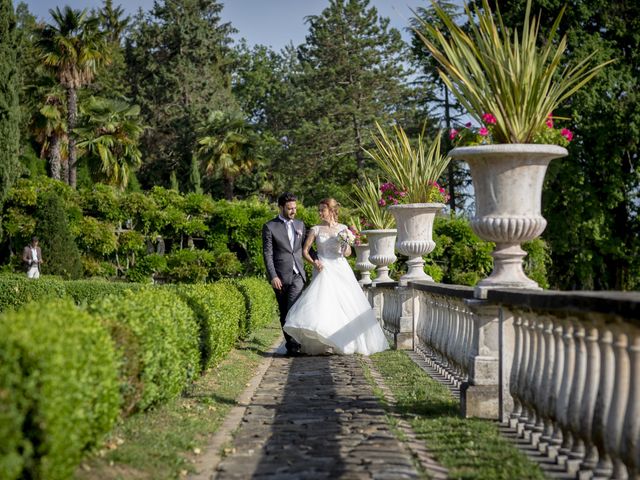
(32, 257)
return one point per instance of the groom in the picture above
(282, 240)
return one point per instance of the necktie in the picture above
(290, 232)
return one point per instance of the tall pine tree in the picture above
(352, 74)
(9, 104)
(178, 59)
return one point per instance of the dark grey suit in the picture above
(279, 259)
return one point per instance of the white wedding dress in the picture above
(333, 315)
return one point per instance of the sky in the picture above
(274, 23)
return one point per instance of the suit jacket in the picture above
(26, 255)
(279, 257)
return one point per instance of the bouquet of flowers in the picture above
(346, 238)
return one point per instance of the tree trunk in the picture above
(71, 124)
(54, 157)
(228, 188)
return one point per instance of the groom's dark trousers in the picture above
(282, 259)
(286, 297)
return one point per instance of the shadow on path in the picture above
(315, 418)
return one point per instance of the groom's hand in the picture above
(276, 283)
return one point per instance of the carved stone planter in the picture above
(507, 180)
(382, 244)
(415, 231)
(363, 265)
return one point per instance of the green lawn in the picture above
(158, 444)
(469, 448)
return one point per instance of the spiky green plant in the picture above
(411, 169)
(366, 196)
(493, 70)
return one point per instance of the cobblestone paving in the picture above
(315, 418)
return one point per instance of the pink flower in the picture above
(549, 121)
(403, 194)
(452, 133)
(489, 118)
(381, 202)
(483, 131)
(566, 133)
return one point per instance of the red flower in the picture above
(483, 131)
(566, 133)
(452, 133)
(489, 119)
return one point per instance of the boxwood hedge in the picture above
(260, 301)
(220, 309)
(157, 335)
(17, 290)
(58, 389)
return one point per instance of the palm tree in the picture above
(228, 148)
(50, 130)
(73, 48)
(110, 137)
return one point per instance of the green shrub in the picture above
(260, 302)
(58, 389)
(146, 267)
(157, 335)
(60, 253)
(17, 290)
(220, 309)
(88, 292)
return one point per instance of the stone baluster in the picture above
(564, 405)
(603, 402)
(585, 417)
(532, 370)
(631, 434)
(538, 390)
(546, 386)
(522, 374)
(576, 397)
(556, 388)
(617, 411)
(467, 321)
(516, 367)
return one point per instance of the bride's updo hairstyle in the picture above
(332, 205)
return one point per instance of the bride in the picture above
(333, 315)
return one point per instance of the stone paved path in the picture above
(315, 418)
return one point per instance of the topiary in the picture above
(59, 250)
(220, 309)
(58, 389)
(157, 335)
(260, 301)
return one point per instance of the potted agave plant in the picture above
(412, 194)
(510, 86)
(381, 235)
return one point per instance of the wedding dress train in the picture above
(333, 315)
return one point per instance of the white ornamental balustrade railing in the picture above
(561, 368)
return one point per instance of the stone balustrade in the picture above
(561, 368)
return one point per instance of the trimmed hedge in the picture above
(220, 309)
(18, 290)
(157, 335)
(260, 301)
(58, 389)
(91, 291)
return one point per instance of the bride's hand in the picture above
(318, 264)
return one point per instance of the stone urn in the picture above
(507, 179)
(363, 265)
(382, 245)
(415, 232)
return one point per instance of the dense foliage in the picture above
(9, 106)
(67, 371)
(168, 91)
